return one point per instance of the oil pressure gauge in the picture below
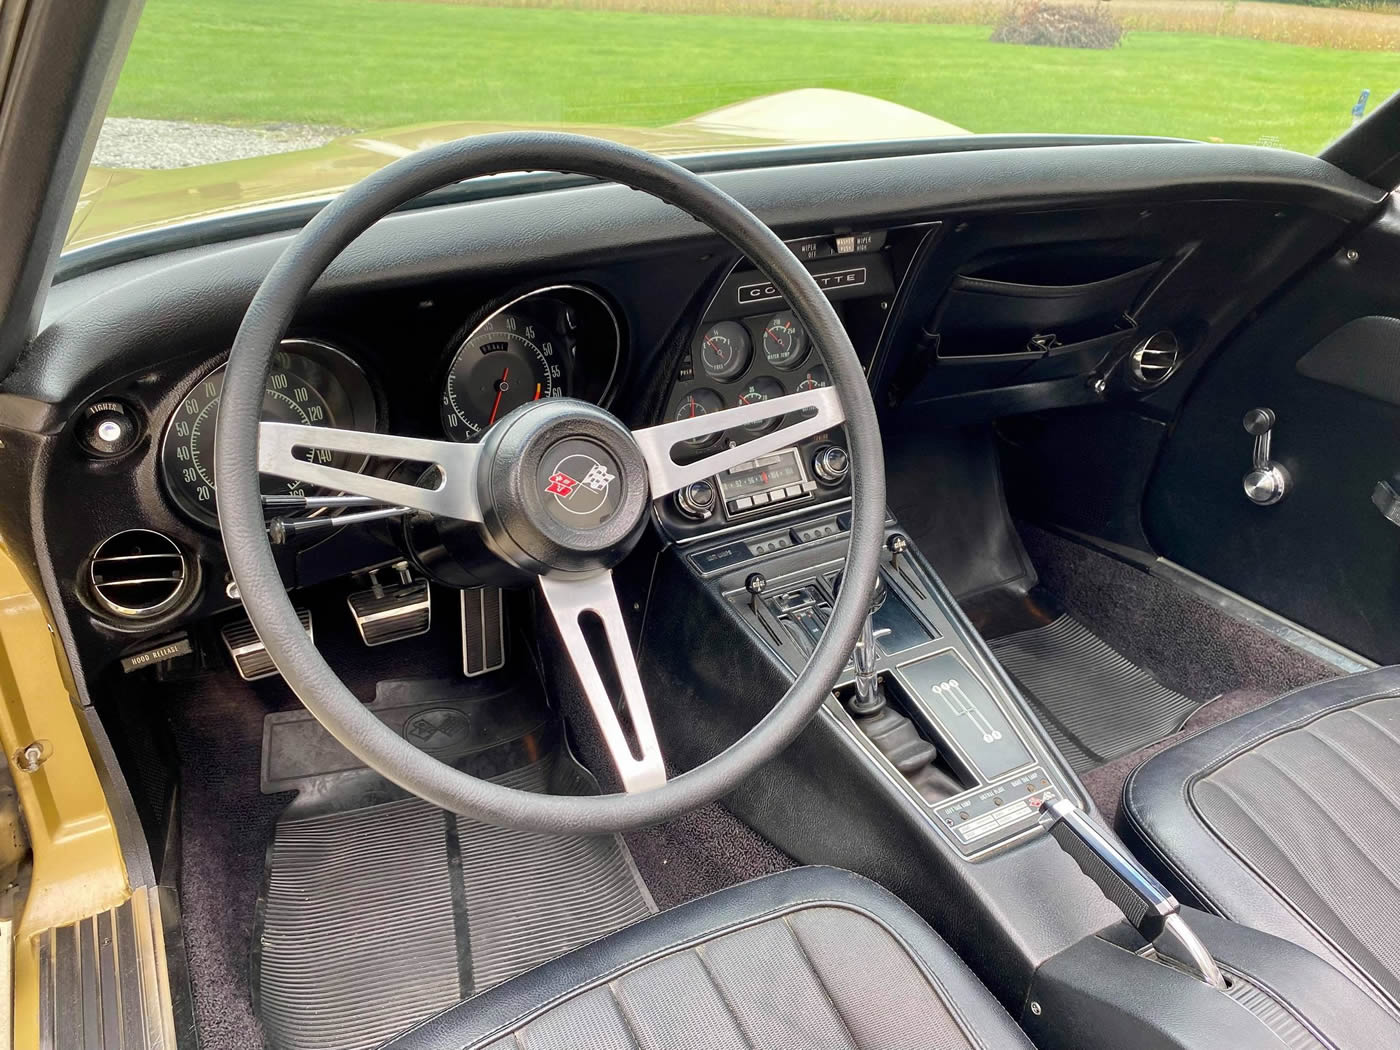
(761, 389)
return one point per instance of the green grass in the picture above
(376, 63)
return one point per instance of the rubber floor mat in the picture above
(1094, 702)
(375, 918)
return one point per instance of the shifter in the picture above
(870, 697)
(893, 734)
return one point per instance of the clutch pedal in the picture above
(249, 654)
(391, 614)
(483, 630)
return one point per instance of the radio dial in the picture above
(831, 464)
(697, 500)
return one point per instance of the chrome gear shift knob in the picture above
(868, 699)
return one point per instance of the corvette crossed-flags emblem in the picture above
(598, 479)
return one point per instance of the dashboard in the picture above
(439, 321)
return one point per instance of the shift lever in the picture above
(868, 699)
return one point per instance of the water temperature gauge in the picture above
(700, 403)
(784, 341)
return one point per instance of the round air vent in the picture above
(1154, 360)
(138, 574)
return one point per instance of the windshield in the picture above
(225, 105)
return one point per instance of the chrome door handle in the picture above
(1267, 481)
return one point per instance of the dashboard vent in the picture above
(1154, 360)
(138, 574)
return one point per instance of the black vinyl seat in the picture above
(1287, 819)
(809, 958)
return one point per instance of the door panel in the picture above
(1325, 357)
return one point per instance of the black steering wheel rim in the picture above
(254, 568)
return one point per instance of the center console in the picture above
(987, 770)
(769, 538)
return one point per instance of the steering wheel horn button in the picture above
(563, 488)
(585, 482)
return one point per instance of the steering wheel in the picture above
(509, 485)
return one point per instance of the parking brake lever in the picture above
(1144, 902)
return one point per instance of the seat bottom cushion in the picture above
(809, 958)
(1286, 819)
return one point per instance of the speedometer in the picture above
(309, 383)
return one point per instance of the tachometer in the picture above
(309, 383)
(562, 340)
(502, 365)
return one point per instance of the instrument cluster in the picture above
(553, 341)
(745, 362)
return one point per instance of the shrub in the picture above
(1058, 25)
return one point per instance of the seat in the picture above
(1287, 819)
(809, 958)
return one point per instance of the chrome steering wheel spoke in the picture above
(642, 768)
(820, 410)
(454, 497)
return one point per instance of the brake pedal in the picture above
(249, 654)
(391, 614)
(483, 630)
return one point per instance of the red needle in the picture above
(500, 389)
(692, 408)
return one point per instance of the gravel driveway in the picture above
(133, 142)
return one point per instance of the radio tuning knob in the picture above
(831, 464)
(696, 500)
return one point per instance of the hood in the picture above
(118, 201)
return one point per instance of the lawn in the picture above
(380, 63)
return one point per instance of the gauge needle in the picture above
(500, 389)
(538, 387)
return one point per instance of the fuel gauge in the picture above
(725, 350)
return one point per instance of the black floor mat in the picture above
(377, 917)
(1094, 702)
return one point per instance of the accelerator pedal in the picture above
(483, 630)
